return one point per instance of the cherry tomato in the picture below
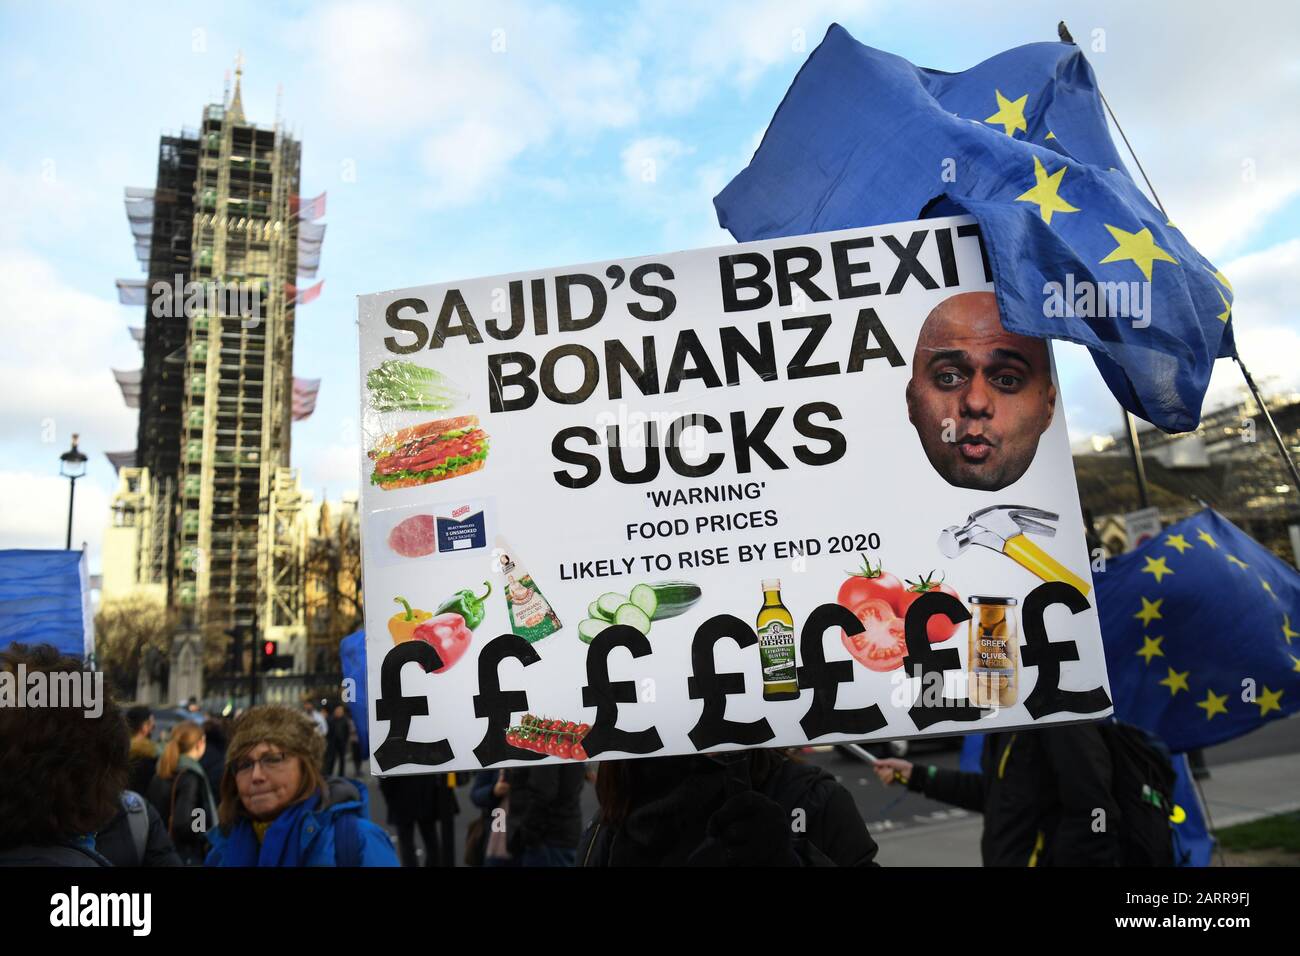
(563, 749)
(512, 738)
(940, 627)
(570, 727)
(576, 752)
(868, 583)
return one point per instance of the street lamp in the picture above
(72, 465)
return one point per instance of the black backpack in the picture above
(1143, 786)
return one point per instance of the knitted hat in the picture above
(289, 729)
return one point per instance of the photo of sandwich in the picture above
(434, 451)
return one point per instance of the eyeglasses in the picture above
(271, 763)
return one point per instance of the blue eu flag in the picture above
(44, 599)
(1201, 627)
(1020, 142)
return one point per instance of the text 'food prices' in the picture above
(791, 491)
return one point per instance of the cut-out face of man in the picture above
(979, 397)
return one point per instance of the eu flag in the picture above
(45, 599)
(1201, 627)
(1020, 142)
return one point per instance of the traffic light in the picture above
(269, 660)
(235, 649)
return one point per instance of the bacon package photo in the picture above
(434, 451)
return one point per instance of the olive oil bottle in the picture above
(776, 649)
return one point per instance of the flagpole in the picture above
(1063, 32)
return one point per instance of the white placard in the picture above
(772, 381)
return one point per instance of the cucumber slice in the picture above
(609, 603)
(632, 615)
(589, 628)
(595, 613)
(643, 596)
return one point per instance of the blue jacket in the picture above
(316, 831)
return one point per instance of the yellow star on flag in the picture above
(1150, 610)
(1045, 192)
(1010, 115)
(1221, 277)
(1286, 629)
(1176, 682)
(1267, 587)
(1233, 559)
(1140, 247)
(1150, 648)
(1226, 314)
(1177, 542)
(1269, 701)
(1158, 568)
(1213, 704)
(1050, 135)
(1296, 661)
(1205, 536)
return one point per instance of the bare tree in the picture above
(133, 633)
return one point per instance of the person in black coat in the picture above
(336, 740)
(213, 761)
(144, 752)
(545, 816)
(1040, 792)
(136, 836)
(747, 808)
(180, 793)
(421, 802)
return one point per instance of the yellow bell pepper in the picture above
(402, 625)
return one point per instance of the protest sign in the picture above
(641, 507)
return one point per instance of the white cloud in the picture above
(34, 512)
(43, 202)
(726, 45)
(473, 86)
(60, 347)
(1263, 320)
(652, 159)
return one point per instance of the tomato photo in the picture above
(868, 583)
(940, 627)
(881, 647)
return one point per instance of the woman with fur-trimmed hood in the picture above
(278, 810)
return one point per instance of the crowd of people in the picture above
(261, 790)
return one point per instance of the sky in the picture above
(458, 140)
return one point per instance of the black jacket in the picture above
(54, 854)
(116, 843)
(1040, 791)
(178, 822)
(418, 799)
(545, 808)
(668, 822)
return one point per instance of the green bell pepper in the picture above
(468, 605)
